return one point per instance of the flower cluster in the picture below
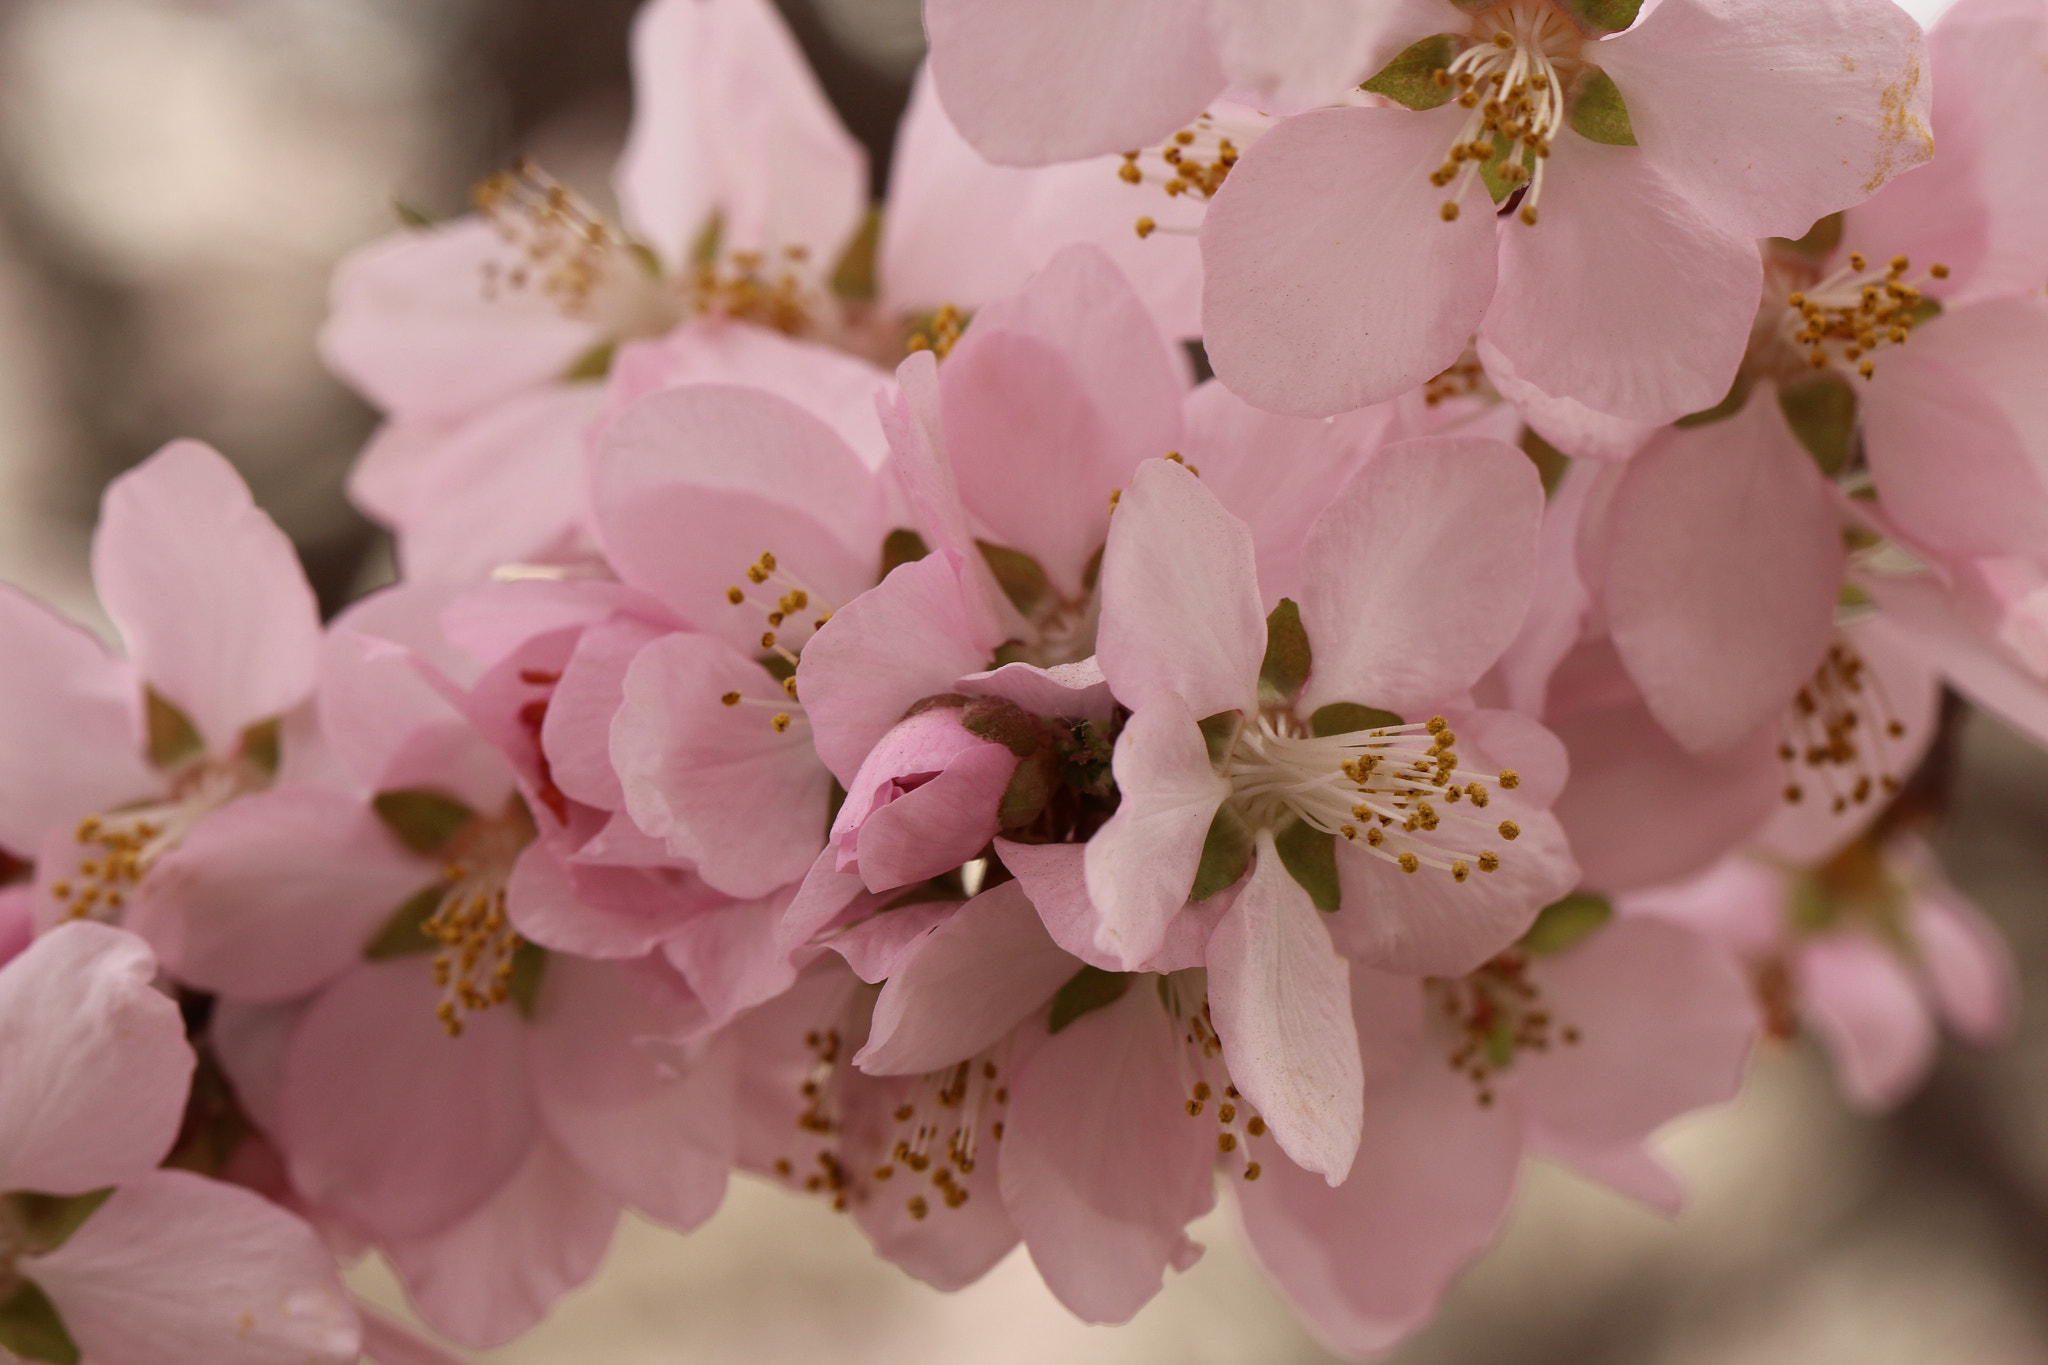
(858, 711)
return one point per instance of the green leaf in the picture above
(1567, 923)
(593, 364)
(1348, 717)
(31, 1328)
(1820, 240)
(1822, 414)
(529, 964)
(1285, 667)
(1226, 853)
(423, 820)
(1219, 732)
(1086, 991)
(902, 546)
(854, 277)
(404, 933)
(48, 1220)
(173, 738)
(1310, 856)
(263, 746)
(1410, 78)
(1604, 16)
(1021, 577)
(1599, 114)
(1550, 462)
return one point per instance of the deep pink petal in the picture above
(1771, 117)
(728, 120)
(655, 1131)
(1723, 569)
(390, 1122)
(1141, 864)
(275, 894)
(68, 744)
(207, 592)
(1180, 597)
(1103, 1169)
(1055, 81)
(496, 1273)
(97, 1063)
(718, 782)
(175, 1269)
(1663, 1019)
(972, 980)
(1418, 574)
(1281, 995)
(1581, 308)
(1332, 280)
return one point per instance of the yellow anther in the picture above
(731, 699)
(1409, 862)
(1510, 830)
(1510, 779)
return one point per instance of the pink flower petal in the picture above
(1332, 280)
(181, 1270)
(1063, 79)
(1281, 996)
(1102, 1167)
(1970, 970)
(68, 745)
(1142, 863)
(577, 733)
(1988, 63)
(1860, 1000)
(207, 592)
(1632, 1169)
(736, 956)
(97, 1063)
(1723, 568)
(657, 1134)
(1418, 574)
(497, 1272)
(728, 120)
(1567, 423)
(1581, 308)
(972, 980)
(1180, 598)
(878, 946)
(387, 1120)
(1773, 118)
(1075, 691)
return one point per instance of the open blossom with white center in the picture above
(1353, 253)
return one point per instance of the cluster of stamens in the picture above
(827, 1175)
(562, 248)
(1194, 162)
(769, 290)
(1857, 310)
(1462, 380)
(118, 848)
(1840, 728)
(939, 335)
(1383, 790)
(473, 966)
(1206, 1078)
(1511, 82)
(790, 609)
(1494, 1014)
(941, 1126)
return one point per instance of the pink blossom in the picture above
(106, 1254)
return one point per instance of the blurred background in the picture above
(177, 178)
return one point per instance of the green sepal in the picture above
(423, 820)
(1091, 572)
(594, 364)
(1410, 78)
(1550, 462)
(31, 1327)
(529, 964)
(1001, 721)
(854, 277)
(173, 738)
(1604, 16)
(902, 546)
(1310, 857)
(1491, 170)
(48, 1220)
(411, 215)
(1812, 910)
(1285, 667)
(1348, 717)
(1021, 577)
(1567, 923)
(1500, 1042)
(404, 933)
(710, 238)
(1086, 991)
(1220, 732)
(777, 667)
(1730, 404)
(1822, 414)
(1598, 113)
(263, 746)
(1226, 853)
(1028, 791)
(1820, 241)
